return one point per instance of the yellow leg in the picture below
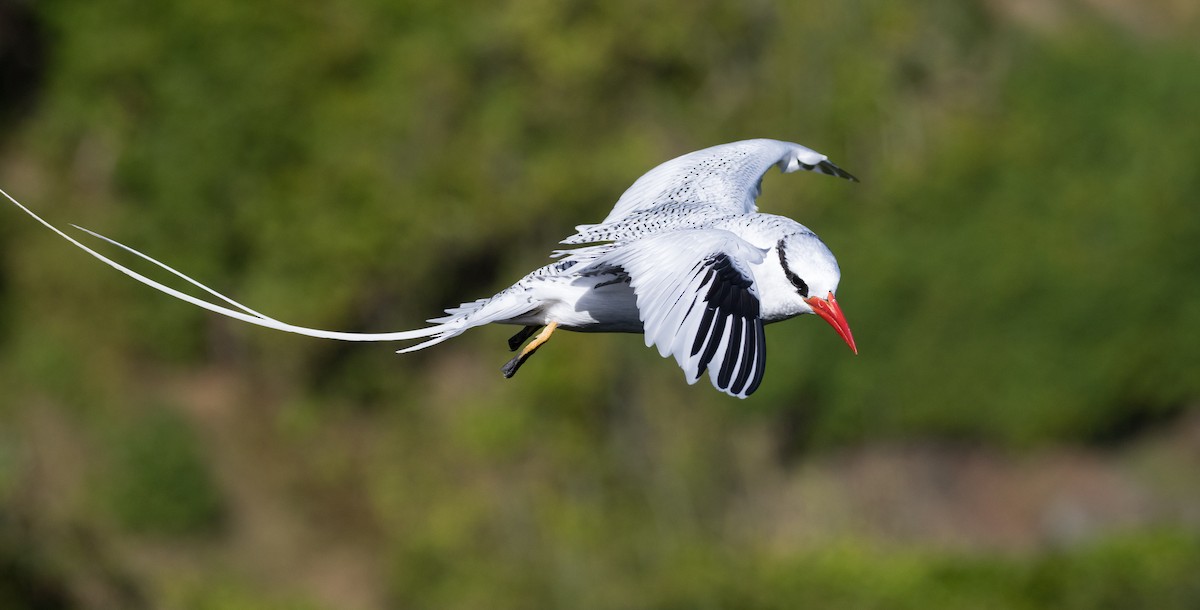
(510, 368)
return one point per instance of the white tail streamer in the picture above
(440, 332)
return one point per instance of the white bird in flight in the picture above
(684, 257)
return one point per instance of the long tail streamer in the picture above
(439, 332)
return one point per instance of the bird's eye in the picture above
(801, 287)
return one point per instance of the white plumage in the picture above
(683, 257)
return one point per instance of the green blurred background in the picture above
(1020, 265)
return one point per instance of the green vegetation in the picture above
(1106, 576)
(1019, 268)
(158, 482)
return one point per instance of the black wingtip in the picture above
(834, 170)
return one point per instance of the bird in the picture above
(684, 258)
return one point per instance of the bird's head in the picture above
(811, 274)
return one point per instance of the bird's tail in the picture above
(443, 329)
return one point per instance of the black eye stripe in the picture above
(801, 287)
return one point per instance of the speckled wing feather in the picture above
(728, 177)
(697, 300)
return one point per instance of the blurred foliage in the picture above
(1156, 571)
(1018, 263)
(1013, 259)
(853, 577)
(158, 481)
(1036, 271)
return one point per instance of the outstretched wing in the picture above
(698, 302)
(728, 176)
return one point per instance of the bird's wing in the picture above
(697, 301)
(728, 176)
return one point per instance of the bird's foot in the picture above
(515, 341)
(510, 368)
